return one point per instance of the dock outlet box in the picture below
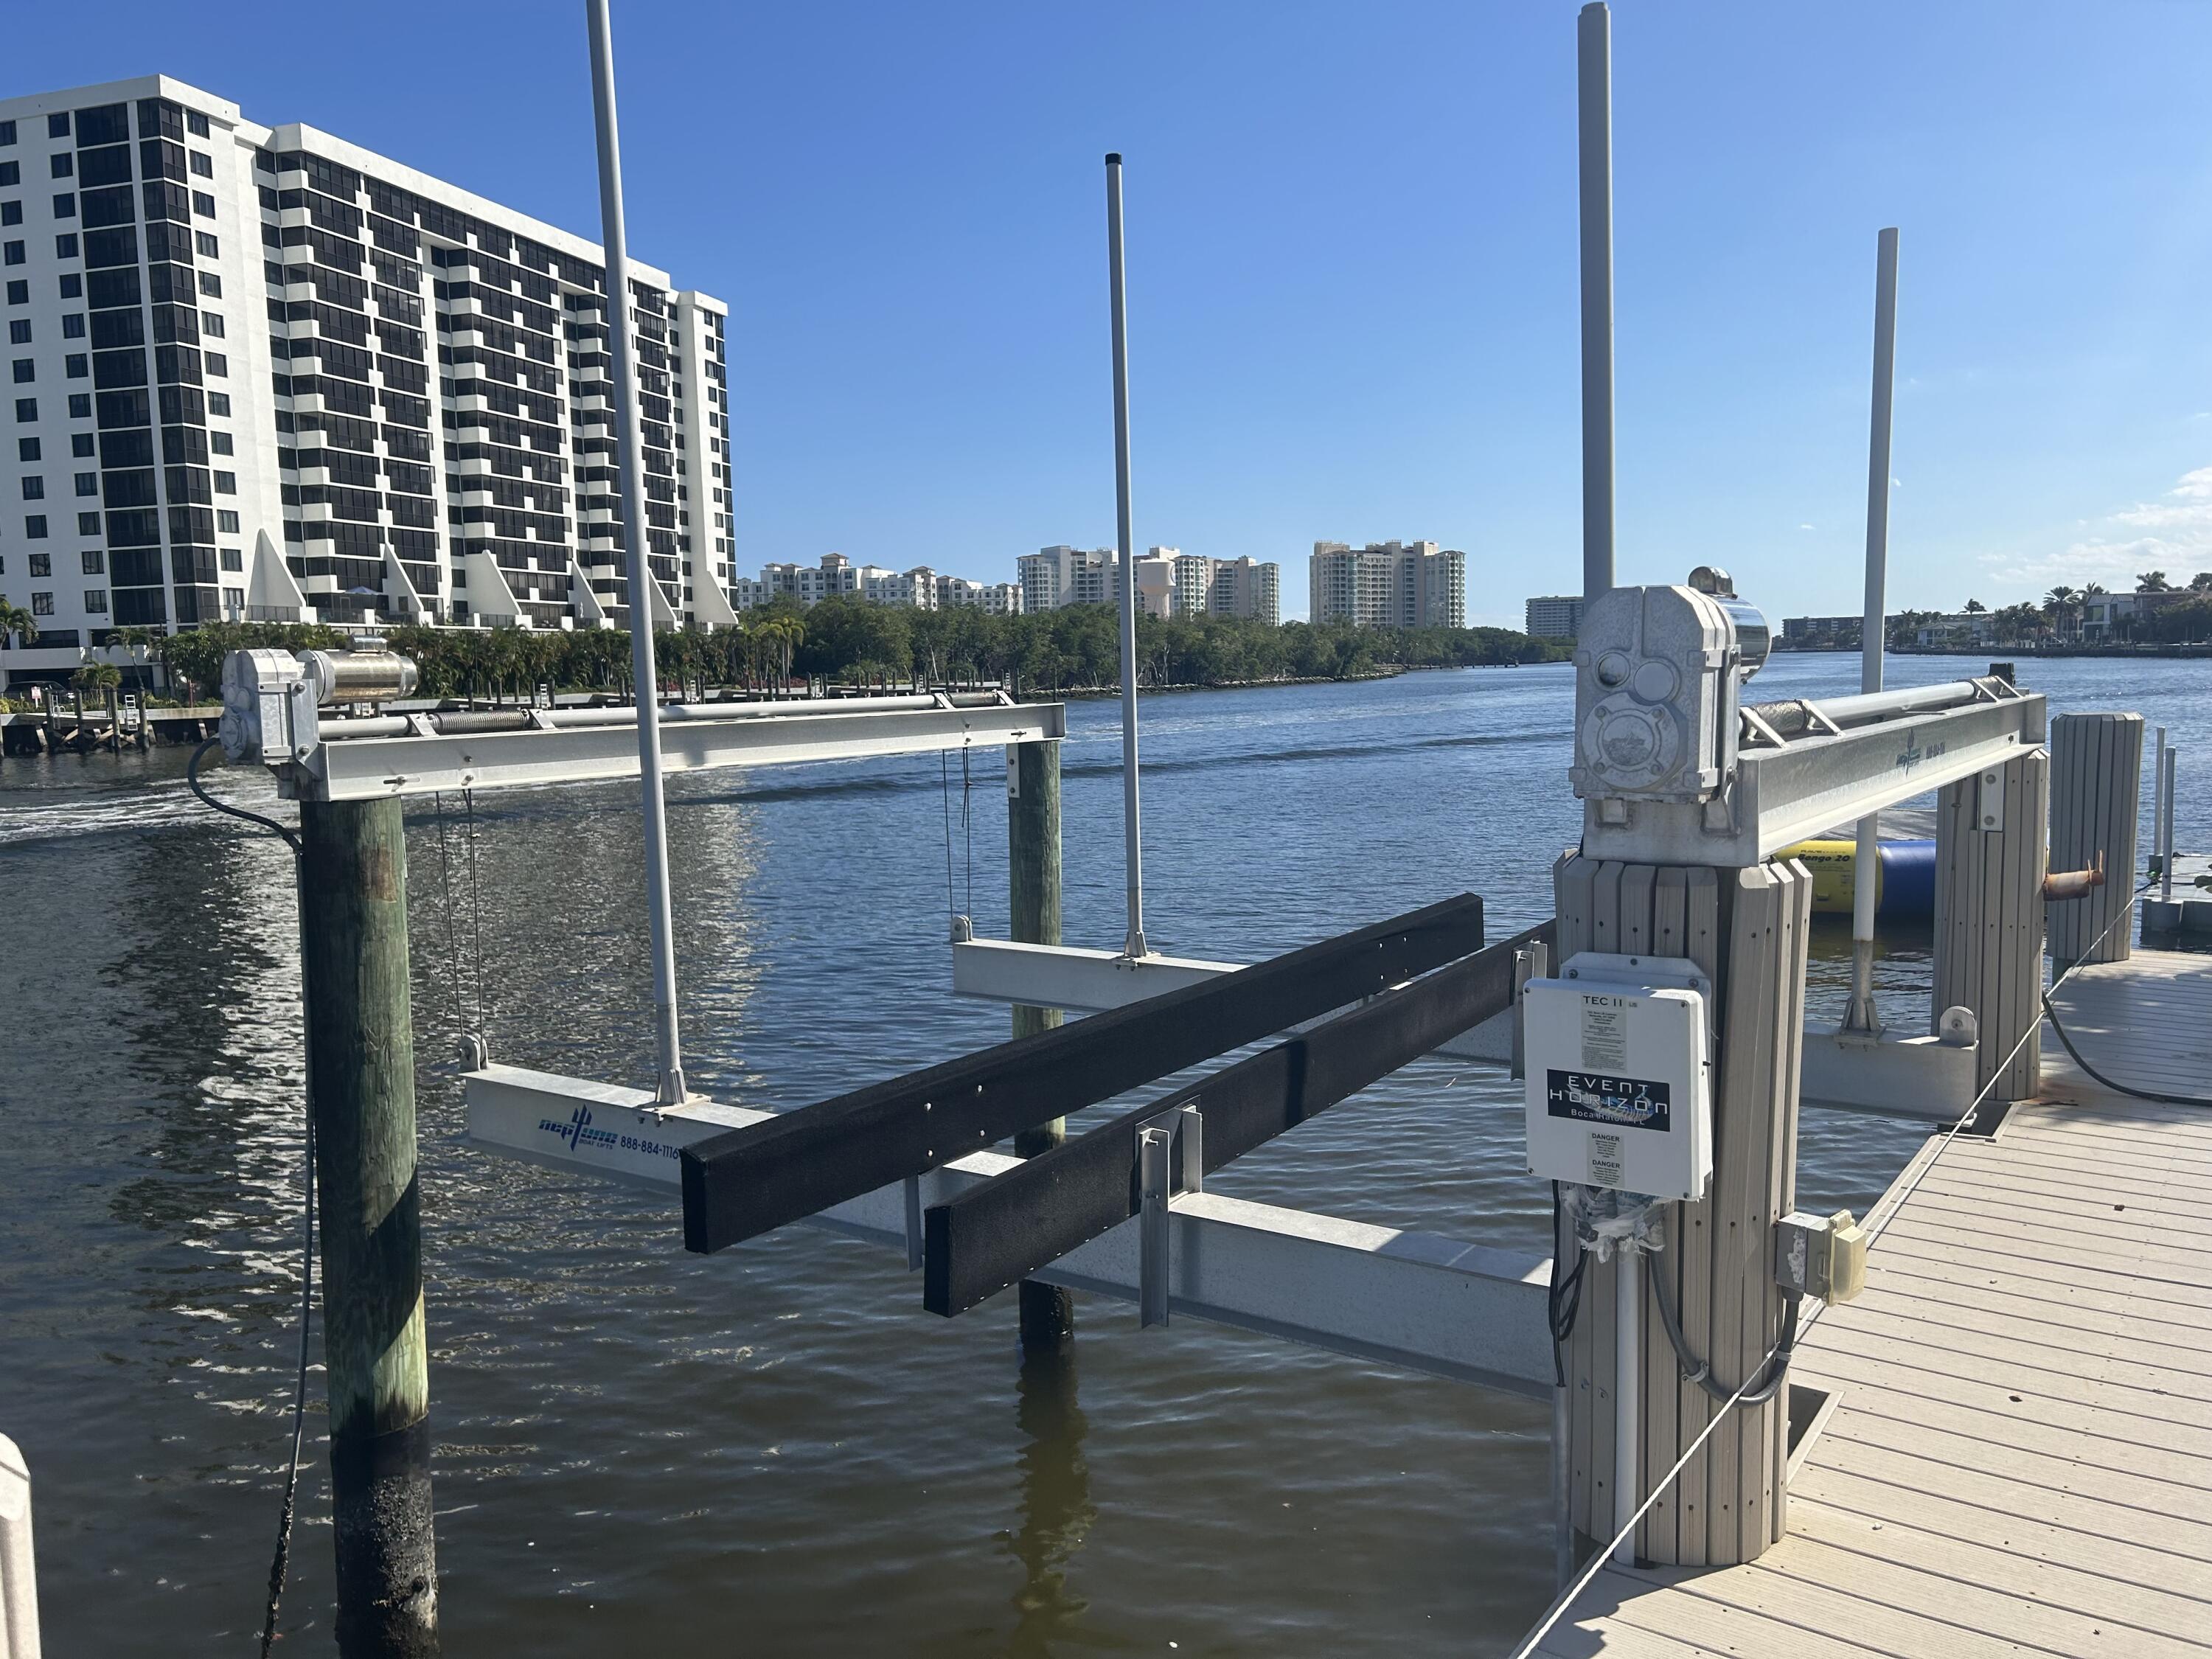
(1619, 1079)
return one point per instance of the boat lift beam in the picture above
(752, 1180)
(276, 709)
(980, 1241)
(1466, 1312)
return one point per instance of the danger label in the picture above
(1605, 1033)
(1605, 1161)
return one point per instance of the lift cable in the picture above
(280, 1561)
(452, 931)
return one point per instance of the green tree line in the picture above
(851, 641)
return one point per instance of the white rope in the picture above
(1604, 1556)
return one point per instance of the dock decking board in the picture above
(2020, 1461)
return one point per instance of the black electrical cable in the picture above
(1700, 1371)
(1563, 1298)
(2067, 1043)
(281, 1562)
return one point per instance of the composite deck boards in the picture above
(2020, 1459)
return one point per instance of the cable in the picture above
(1700, 1371)
(967, 829)
(280, 1563)
(453, 934)
(1564, 1299)
(475, 902)
(2067, 1043)
(945, 794)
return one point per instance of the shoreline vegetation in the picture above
(844, 641)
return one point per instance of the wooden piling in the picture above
(1746, 929)
(1048, 1312)
(360, 1064)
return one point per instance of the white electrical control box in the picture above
(1619, 1082)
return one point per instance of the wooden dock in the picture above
(2018, 1457)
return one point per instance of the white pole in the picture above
(18, 1584)
(1859, 1013)
(670, 1090)
(1628, 1343)
(1132, 854)
(2165, 833)
(1594, 89)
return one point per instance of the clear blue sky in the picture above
(1352, 264)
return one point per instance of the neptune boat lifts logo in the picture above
(577, 1133)
(1619, 1101)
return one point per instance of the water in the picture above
(774, 1451)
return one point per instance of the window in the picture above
(80, 405)
(34, 488)
(88, 483)
(27, 370)
(12, 253)
(203, 164)
(26, 409)
(72, 286)
(234, 598)
(216, 363)
(11, 173)
(65, 204)
(77, 365)
(7, 132)
(226, 523)
(19, 293)
(81, 443)
(26, 449)
(73, 325)
(96, 562)
(219, 442)
(19, 332)
(11, 213)
(226, 484)
(35, 530)
(66, 247)
(57, 125)
(95, 601)
(42, 605)
(211, 285)
(203, 205)
(196, 123)
(62, 165)
(211, 323)
(219, 404)
(209, 247)
(88, 523)
(233, 559)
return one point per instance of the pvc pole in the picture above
(1628, 1343)
(2166, 834)
(1859, 1014)
(1594, 90)
(670, 1090)
(19, 1580)
(1133, 855)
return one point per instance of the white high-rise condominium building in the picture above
(261, 373)
(1555, 617)
(921, 588)
(1395, 584)
(1169, 582)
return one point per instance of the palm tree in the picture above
(1975, 607)
(2201, 582)
(17, 623)
(2153, 582)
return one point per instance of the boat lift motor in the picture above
(1657, 674)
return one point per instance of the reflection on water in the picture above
(774, 1451)
(1056, 1509)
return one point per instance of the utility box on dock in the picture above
(1619, 1077)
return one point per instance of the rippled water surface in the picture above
(775, 1451)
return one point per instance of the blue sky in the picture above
(1352, 253)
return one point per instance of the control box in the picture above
(1619, 1077)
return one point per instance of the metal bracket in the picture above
(1988, 801)
(1171, 1156)
(1530, 962)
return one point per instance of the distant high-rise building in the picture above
(261, 373)
(1388, 583)
(995, 598)
(1555, 617)
(1225, 588)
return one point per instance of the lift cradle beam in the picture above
(1007, 1228)
(752, 1180)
